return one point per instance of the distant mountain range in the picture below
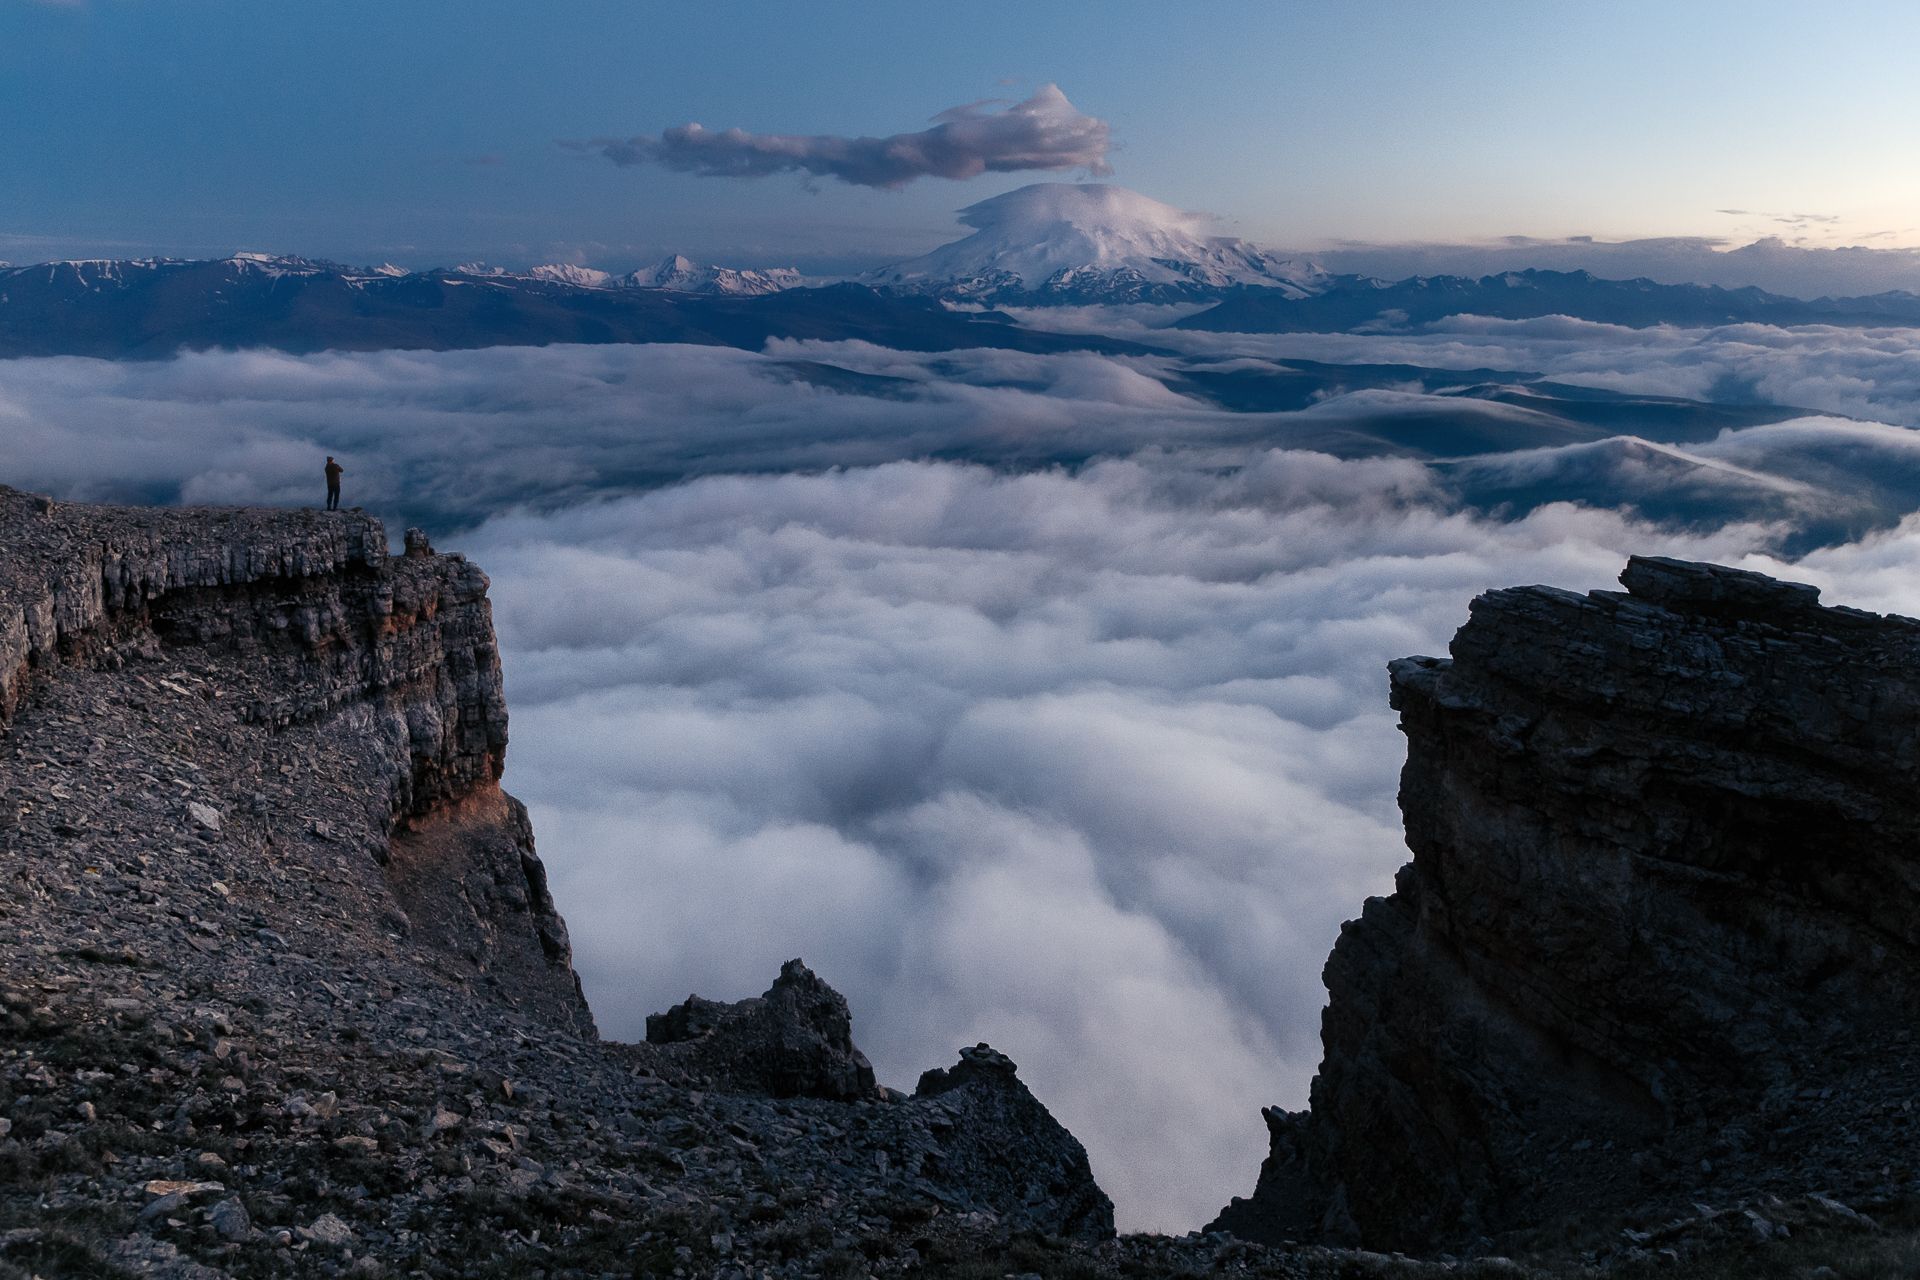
(1050, 244)
(1343, 304)
(680, 274)
(153, 308)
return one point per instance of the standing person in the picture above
(333, 483)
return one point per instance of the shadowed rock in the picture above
(1003, 1144)
(794, 1041)
(1660, 938)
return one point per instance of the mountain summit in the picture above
(675, 272)
(1056, 242)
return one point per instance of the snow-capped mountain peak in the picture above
(680, 273)
(676, 272)
(275, 266)
(567, 273)
(1091, 242)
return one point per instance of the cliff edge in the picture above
(283, 990)
(273, 700)
(1658, 945)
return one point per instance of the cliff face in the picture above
(335, 699)
(283, 990)
(1658, 942)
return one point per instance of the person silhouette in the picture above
(333, 483)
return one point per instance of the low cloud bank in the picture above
(1867, 373)
(1046, 132)
(1088, 766)
(448, 438)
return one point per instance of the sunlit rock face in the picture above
(1658, 938)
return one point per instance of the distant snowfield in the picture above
(1087, 761)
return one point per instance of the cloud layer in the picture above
(1868, 373)
(447, 438)
(1045, 132)
(1088, 761)
(1090, 766)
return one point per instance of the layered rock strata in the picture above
(283, 990)
(332, 695)
(1659, 942)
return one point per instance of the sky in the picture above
(432, 132)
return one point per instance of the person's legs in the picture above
(333, 497)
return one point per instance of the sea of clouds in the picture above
(1086, 761)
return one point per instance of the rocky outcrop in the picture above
(972, 1137)
(795, 1041)
(999, 1136)
(1658, 943)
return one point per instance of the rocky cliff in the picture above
(230, 683)
(283, 990)
(1658, 945)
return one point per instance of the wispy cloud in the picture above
(1045, 132)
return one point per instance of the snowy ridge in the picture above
(88, 273)
(97, 273)
(677, 272)
(567, 273)
(1091, 242)
(674, 272)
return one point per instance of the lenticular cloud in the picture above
(1045, 132)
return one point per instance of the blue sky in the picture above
(425, 132)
